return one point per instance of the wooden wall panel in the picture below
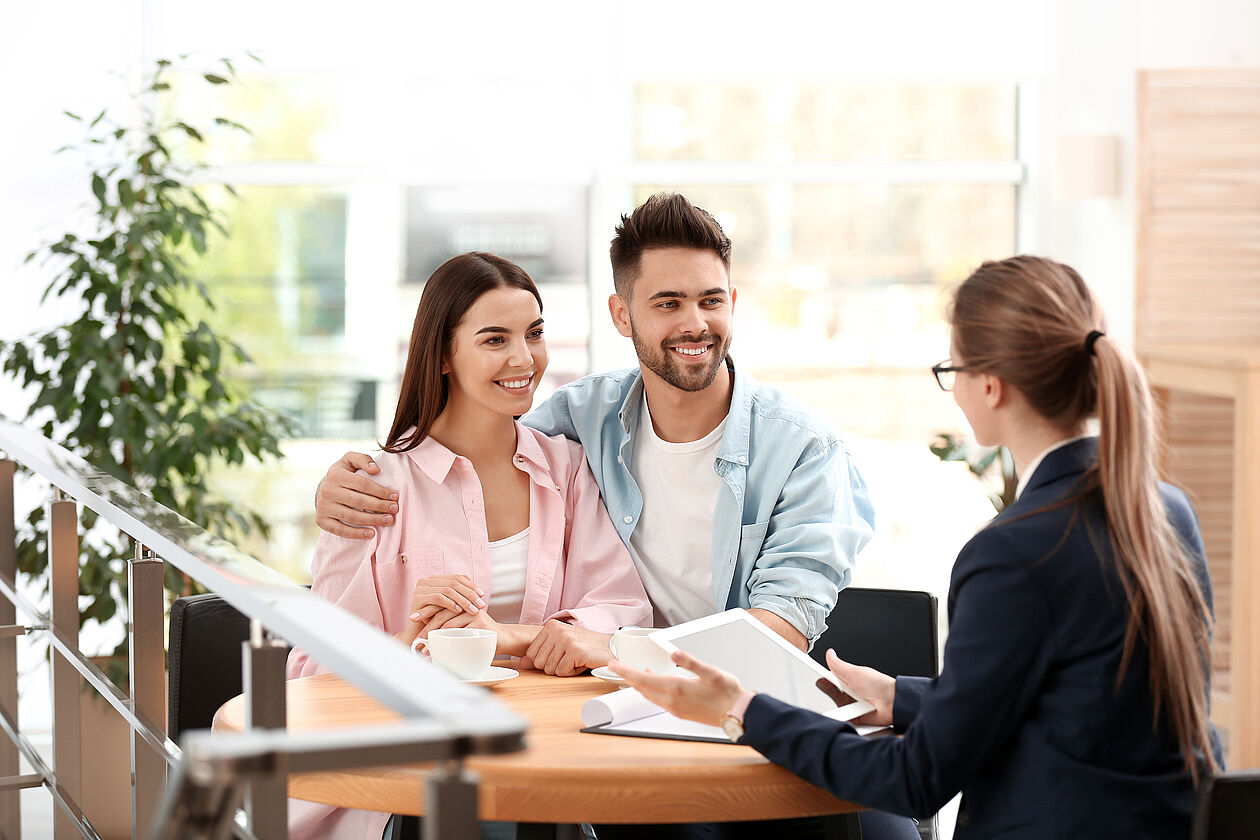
(1198, 330)
(1198, 260)
(1200, 438)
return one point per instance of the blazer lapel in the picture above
(1073, 459)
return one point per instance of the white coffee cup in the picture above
(633, 646)
(464, 651)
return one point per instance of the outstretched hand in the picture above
(703, 699)
(873, 686)
(351, 505)
(715, 691)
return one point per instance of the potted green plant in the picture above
(136, 382)
(993, 466)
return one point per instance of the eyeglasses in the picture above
(944, 373)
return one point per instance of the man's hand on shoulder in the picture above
(351, 505)
(567, 650)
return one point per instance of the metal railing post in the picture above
(63, 564)
(10, 801)
(262, 661)
(146, 656)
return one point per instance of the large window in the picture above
(852, 207)
(539, 227)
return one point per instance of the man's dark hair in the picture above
(666, 220)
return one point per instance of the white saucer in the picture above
(493, 676)
(605, 673)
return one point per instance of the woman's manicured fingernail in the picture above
(393, 508)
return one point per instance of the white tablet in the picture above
(763, 661)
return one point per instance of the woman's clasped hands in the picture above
(446, 601)
(556, 647)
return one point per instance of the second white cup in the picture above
(634, 647)
(464, 651)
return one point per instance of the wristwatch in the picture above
(732, 726)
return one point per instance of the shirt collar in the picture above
(738, 429)
(628, 414)
(435, 460)
(734, 445)
(1036, 462)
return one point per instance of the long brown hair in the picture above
(448, 295)
(1028, 321)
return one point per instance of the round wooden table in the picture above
(563, 775)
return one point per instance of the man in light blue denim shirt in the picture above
(792, 514)
(782, 514)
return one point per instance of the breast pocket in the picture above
(416, 561)
(396, 572)
(751, 538)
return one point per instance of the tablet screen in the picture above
(760, 662)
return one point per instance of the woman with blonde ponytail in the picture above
(1073, 700)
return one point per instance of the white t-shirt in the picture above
(508, 558)
(673, 542)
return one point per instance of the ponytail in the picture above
(1167, 607)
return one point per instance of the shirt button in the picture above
(403, 558)
(557, 488)
(743, 459)
(629, 519)
(620, 460)
(520, 459)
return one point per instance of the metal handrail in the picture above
(139, 723)
(443, 719)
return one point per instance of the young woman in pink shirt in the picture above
(498, 525)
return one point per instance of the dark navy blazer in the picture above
(1026, 718)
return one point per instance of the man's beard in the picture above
(661, 361)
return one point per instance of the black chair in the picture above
(890, 630)
(1228, 807)
(204, 663)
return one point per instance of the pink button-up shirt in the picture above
(578, 570)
